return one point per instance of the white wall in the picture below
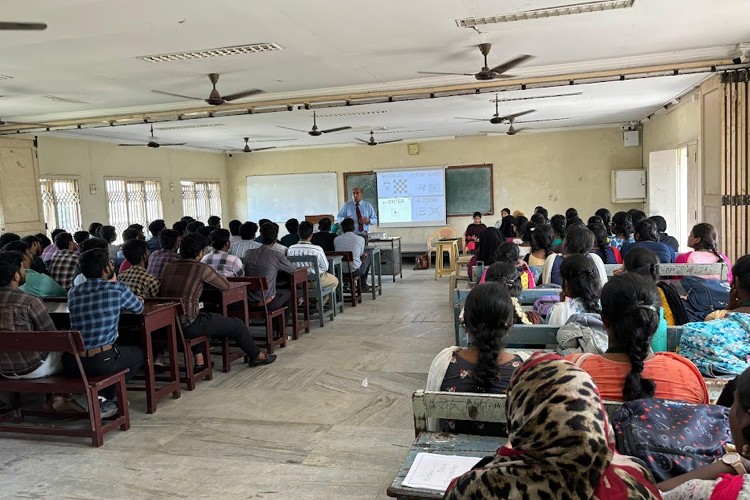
(555, 169)
(91, 161)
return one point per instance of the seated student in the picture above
(260, 224)
(739, 291)
(661, 228)
(37, 284)
(180, 226)
(95, 311)
(509, 253)
(80, 236)
(35, 250)
(647, 237)
(505, 212)
(606, 217)
(234, 231)
(94, 229)
(580, 290)
(543, 213)
(156, 227)
(703, 241)
(571, 213)
(247, 240)
(578, 240)
(628, 370)
(6, 238)
(636, 215)
(185, 278)
(483, 366)
(214, 221)
(139, 234)
(136, 277)
(474, 232)
(622, 229)
(265, 261)
(306, 247)
(349, 241)
(558, 223)
(109, 234)
(728, 476)
(223, 262)
(131, 233)
(519, 227)
(193, 226)
(87, 245)
(62, 267)
(602, 248)
(292, 226)
(507, 275)
(645, 262)
(541, 245)
(50, 250)
(158, 260)
(560, 443)
(491, 240)
(324, 237)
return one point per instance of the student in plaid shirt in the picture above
(223, 262)
(95, 311)
(157, 261)
(62, 267)
(136, 277)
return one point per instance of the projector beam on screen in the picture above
(411, 198)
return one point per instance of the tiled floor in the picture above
(302, 428)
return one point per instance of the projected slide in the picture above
(411, 198)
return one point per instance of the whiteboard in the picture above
(282, 197)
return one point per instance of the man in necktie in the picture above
(361, 211)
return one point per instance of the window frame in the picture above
(72, 178)
(207, 182)
(145, 209)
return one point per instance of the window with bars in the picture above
(132, 201)
(61, 203)
(201, 199)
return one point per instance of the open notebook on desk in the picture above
(435, 472)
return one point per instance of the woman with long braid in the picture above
(483, 366)
(703, 241)
(580, 290)
(628, 371)
(507, 275)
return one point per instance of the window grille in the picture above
(201, 199)
(61, 203)
(132, 201)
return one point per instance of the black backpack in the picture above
(693, 298)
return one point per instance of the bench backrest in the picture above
(347, 258)
(254, 284)
(527, 297)
(311, 263)
(45, 341)
(665, 270)
(477, 407)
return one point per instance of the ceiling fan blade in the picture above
(126, 145)
(490, 132)
(545, 120)
(472, 119)
(502, 68)
(362, 140)
(337, 129)
(513, 116)
(177, 95)
(240, 95)
(392, 140)
(290, 128)
(442, 73)
(23, 26)
(263, 149)
(172, 143)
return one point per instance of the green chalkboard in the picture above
(468, 189)
(368, 181)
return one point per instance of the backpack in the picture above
(720, 347)
(701, 296)
(584, 332)
(671, 437)
(543, 304)
(422, 262)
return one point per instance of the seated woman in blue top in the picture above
(647, 236)
(578, 240)
(622, 230)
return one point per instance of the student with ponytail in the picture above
(483, 366)
(580, 290)
(703, 241)
(507, 275)
(602, 248)
(541, 245)
(628, 370)
(622, 229)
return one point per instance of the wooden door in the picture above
(20, 199)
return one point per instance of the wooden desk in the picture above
(392, 256)
(336, 268)
(231, 303)
(443, 444)
(155, 316)
(299, 279)
(373, 253)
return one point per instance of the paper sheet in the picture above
(435, 472)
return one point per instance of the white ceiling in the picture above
(89, 51)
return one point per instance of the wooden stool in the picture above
(440, 248)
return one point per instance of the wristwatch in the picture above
(734, 461)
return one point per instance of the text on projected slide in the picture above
(416, 197)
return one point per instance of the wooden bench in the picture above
(678, 270)
(66, 342)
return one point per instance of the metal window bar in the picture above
(61, 203)
(200, 199)
(131, 201)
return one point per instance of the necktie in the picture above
(360, 226)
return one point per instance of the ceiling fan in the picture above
(487, 73)
(496, 118)
(214, 98)
(513, 131)
(153, 144)
(373, 142)
(315, 131)
(11, 26)
(247, 148)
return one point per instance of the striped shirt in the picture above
(224, 263)
(22, 312)
(304, 248)
(239, 248)
(95, 310)
(185, 278)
